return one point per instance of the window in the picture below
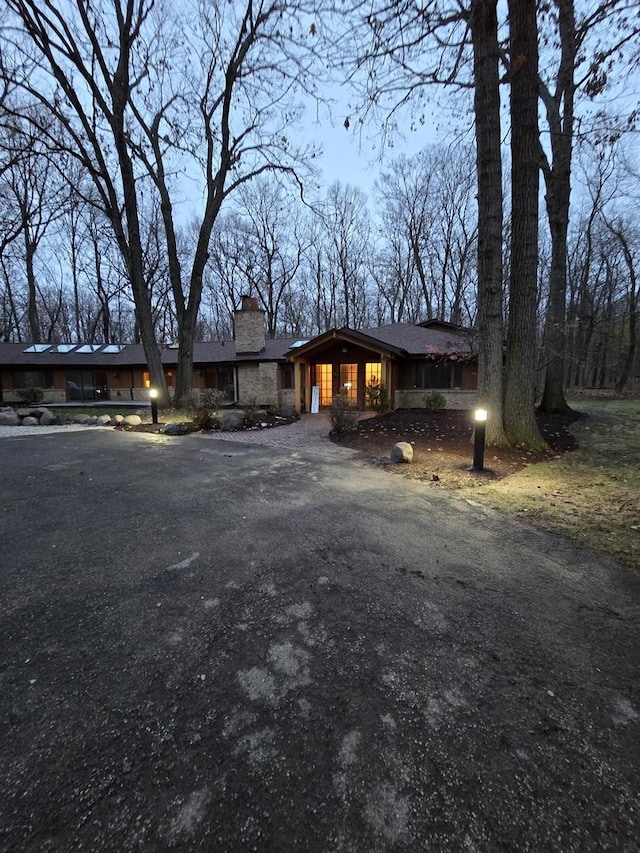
(349, 381)
(37, 348)
(286, 376)
(325, 381)
(429, 374)
(373, 373)
(33, 379)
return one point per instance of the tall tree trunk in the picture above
(559, 112)
(630, 358)
(484, 34)
(519, 413)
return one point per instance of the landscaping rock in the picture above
(104, 420)
(231, 421)
(9, 418)
(29, 421)
(47, 418)
(25, 413)
(174, 429)
(132, 420)
(81, 419)
(118, 419)
(402, 452)
(288, 412)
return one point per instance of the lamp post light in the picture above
(480, 418)
(154, 405)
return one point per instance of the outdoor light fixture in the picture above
(480, 418)
(154, 405)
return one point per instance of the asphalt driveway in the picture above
(207, 645)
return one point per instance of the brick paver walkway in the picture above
(311, 432)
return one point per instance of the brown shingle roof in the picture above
(132, 355)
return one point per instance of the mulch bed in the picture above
(442, 445)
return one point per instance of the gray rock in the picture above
(175, 429)
(288, 412)
(104, 420)
(24, 413)
(9, 418)
(29, 421)
(81, 419)
(118, 419)
(132, 420)
(47, 418)
(231, 421)
(402, 452)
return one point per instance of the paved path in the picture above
(310, 433)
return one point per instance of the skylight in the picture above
(37, 348)
(89, 348)
(63, 347)
(113, 348)
(298, 344)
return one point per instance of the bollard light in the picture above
(154, 405)
(480, 418)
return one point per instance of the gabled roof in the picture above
(402, 339)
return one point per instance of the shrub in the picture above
(376, 396)
(434, 400)
(30, 396)
(344, 415)
(203, 406)
(250, 410)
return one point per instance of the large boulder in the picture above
(81, 419)
(132, 420)
(9, 418)
(287, 411)
(104, 420)
(231, 420)
(402, 452)
(175, 429)
(47, 418)
(29, 421)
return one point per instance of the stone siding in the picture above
(414, 399)
(258, 382)
(249, 331)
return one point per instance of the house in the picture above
(407, 360)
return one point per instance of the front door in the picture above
(349, 382)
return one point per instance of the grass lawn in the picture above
(591, 495)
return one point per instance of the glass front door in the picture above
(349, 382)
(324, 380)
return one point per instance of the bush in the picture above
(203, 406)
(376, 396)
(30, 396)
(344, 415)
(250, 410)
(434, 400)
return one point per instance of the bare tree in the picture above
(149, 93)
(519, 416)
(590, 51)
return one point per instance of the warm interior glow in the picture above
(480, 414)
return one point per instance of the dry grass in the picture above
(591, 495)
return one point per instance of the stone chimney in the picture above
(249, 327)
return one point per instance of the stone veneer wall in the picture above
(249, 331)
(414, 399)
(259, 383)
